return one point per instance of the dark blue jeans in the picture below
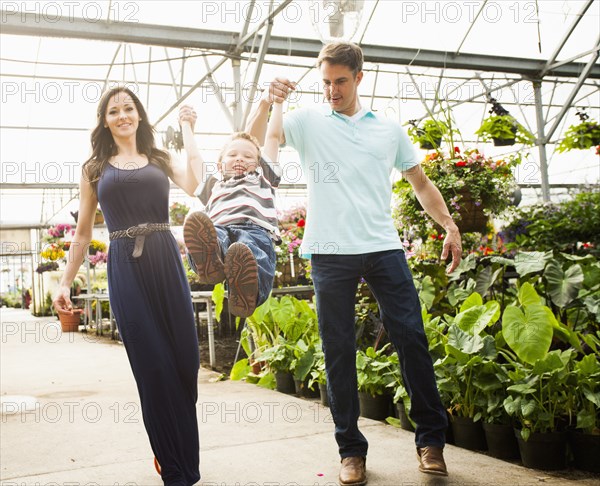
(260, 243)
(387, 274)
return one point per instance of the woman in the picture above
(148, 289)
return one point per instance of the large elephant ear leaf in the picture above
(485, 279)
(475, 319)
(528, 295)
(529, 332)
(527, 262)
(471, 301)
(563, 286)
(427, 293)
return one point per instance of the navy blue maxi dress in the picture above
(150, 298)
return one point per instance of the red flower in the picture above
(461, 163)
(456, 150)
(301, 223)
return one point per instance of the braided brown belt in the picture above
(138, 232)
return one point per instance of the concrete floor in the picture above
(71, 416)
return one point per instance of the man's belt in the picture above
(138, 232)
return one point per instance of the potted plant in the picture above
(465, 374)
(178, 212)
(375, 374)
(302, 365)
(473, 186)
(96, 246)
(69, 321)
(429, 135)
(585, 439)
(502, 128)
(401, 400)
(279, 359)
(319, 376)
(540, 398)
(582, 136)
(53, 252)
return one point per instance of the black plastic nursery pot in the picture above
(501, 441)
(284, 382)
(586, 450)
(323, 394)
(430, 145)
(405, 423)
(303, 390)
(468, 434)
(503, 142)
(374, 407)
(546, 451)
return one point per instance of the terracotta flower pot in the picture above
(70, 322)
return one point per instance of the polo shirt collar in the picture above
(327, 111)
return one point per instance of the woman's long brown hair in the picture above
(104, 147)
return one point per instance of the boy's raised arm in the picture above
(194, 158)
(274, 132)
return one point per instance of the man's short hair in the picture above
(344, 53)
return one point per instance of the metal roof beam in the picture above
(21, 23)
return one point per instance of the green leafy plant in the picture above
(274, 330)
(375, 370)
(429, 134)
(178, 212)
(503, 128)
(582, 136)
(465, 373)
(587, 392)
(570, 226)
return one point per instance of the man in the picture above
(348, 153)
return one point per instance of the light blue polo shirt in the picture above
(347, 163)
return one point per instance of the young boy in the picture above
(233, 238)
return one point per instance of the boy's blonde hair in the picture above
(243, 136)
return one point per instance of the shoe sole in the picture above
(430, 471)
(201, 241)
(241, 272)
(360, 483)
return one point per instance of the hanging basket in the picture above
(430, 145)
(473, 219)
(503, 142)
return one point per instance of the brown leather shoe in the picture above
(353, 471)
(431, 460)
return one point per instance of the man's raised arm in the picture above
(278, 91)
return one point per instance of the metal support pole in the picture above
(262, 51)
(236, 106)
(541, 140)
